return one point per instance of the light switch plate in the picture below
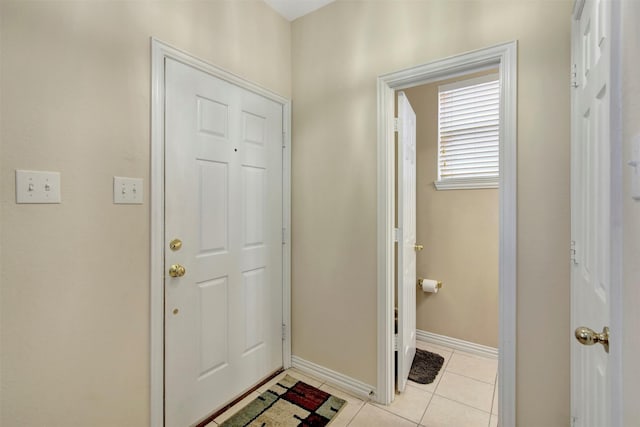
(37, 187)
(127, 191)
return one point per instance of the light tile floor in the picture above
(463, 394)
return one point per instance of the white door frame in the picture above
(504, 56)
(160, 51)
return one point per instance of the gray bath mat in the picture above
(425, 366)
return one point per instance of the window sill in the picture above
(466, 183)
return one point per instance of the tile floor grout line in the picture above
(496, 366)
(435, 392)
(445, 370)
(473, 355)
(417, 387)
(356, 414)
(427, 408)
(444, 365)
(493, 398)
(399, 416)
(471, 378)
(462, 403)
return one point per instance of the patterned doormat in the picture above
(425, 366)
(289, 402)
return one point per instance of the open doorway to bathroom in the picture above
(456, 244)
(502, 58)
(457, 208)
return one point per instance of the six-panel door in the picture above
(223, 200)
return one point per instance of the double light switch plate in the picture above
(127, 191)
(37, 187)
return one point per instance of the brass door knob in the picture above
(176, 270)
(418, 248)
(587, 336)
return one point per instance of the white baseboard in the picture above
(455, 343)
(353, 386)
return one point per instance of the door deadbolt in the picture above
(175, 244)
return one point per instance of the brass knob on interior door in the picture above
(587, 336)
(176, 270)
(418, 248)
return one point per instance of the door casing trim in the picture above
(160, 51)
(504, 56)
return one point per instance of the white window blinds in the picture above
(468, 133)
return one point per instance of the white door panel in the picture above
(223, 200)
(590, 211)
(407, 239)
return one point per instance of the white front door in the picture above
(406, 239)
(223, 201)
(590, 212)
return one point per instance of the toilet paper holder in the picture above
(439, 285)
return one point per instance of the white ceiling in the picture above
(293, 9)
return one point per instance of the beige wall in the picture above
(338, 52)
(631, 211)
(75, 83)
(459, 230)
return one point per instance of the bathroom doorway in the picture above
(470, 65)
(451, 157)
(457, 167)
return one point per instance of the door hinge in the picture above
(284, 331)
(396, 124)
(396, 234)
(284, 236)
(574, 76)
(573, 252)
(573, 421)
(284, 139)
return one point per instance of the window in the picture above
(468, 133)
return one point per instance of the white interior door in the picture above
(406, 239)
(223, 201)
(590, 211)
